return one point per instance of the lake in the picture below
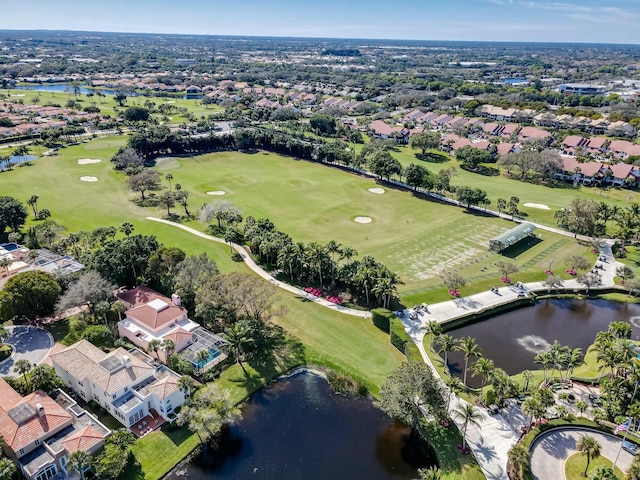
(513, 339)
(297, 428)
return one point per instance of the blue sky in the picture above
(608, 21)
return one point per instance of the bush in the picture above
(401, 340)
(381, 318)
(345, 385)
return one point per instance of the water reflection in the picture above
(513, 339)
(298, 429)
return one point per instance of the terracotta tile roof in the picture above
(57, 347)
(32, 425)
(84, 439)
(9, 398)
(573, 141)
(140, 296)
(82, 361)
(589, 169)
(504, 148)
(151, 308)
(164, 387)
(533, 132)
(621, 170)
(597, 142)
(178, 336)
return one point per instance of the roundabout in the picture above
(28, 343)
(551, 449)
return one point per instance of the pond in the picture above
(297, 428)
(513, 339)
(15, 160)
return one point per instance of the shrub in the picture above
(381, 318)
(345, 385)
(401, 340)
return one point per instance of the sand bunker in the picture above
(88, 179)
(377, 190)
(217, 192)
(540, 206)
(362, 219)
(87, 161)
(18, 95)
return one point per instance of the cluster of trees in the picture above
(532, 165)
(331, 265)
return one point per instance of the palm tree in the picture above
(484, 367)
(5, 263)
(533, 408)
(365, 277)
(287, 257)
(202, 356)
(22, 367)
(33, 203)
(431, 473)
(127, 228)
(518, 460)
(545, 359)
(455, 385)
(239, 340)
(634, 471)
(470, 348)
(581, 406)
(467, 414)
(589, 447)
(446, 343)
(168, 346)
(347, 253)
(385, 287)
(333, 248)
(527, 376)
(154, 346)
(79, 461)
(185, 384)
(169, 177)
(501, 204)
(316, 255)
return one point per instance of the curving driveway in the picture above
(29, 343)
(551, 449)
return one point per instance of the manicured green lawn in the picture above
(157, 452)
(576, 463)
(503, 187)
(453, 465)
(107, 104)
(419, 239)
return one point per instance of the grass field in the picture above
(420, 239)
(355, 345)
(503, 187)
(576, 464)
(107, 104)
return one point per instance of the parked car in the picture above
(632, 448)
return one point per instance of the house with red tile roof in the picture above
(534, 134)
(380, 129)
(40, 433)
(590, 173)
(152, 316)
(126, 383)
(624, 148)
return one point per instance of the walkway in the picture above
(266, 275)
(551, 449)
(492, 439)
(495, 435)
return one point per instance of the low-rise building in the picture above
(130, 385)
(40, 433)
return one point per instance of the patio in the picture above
(147, 424)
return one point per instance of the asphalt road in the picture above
(29, 343)
(551, 449)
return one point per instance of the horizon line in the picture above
(282, 37)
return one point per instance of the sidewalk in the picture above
(492, 439)
(266, 275)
